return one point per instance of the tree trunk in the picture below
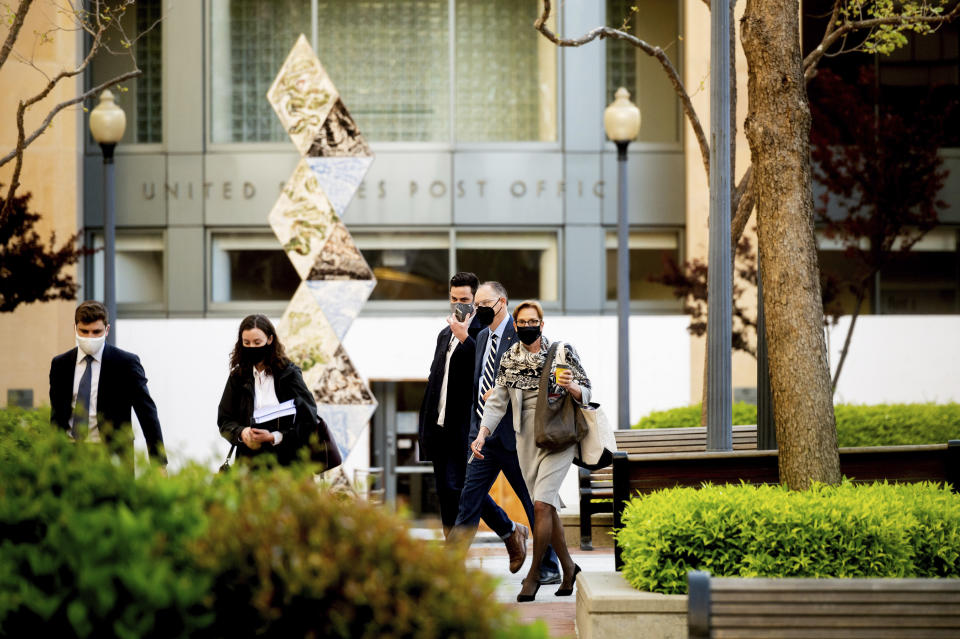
(778, 130)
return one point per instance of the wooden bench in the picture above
(598, 484)
(814, 608)
(641, 474)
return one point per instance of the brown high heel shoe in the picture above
(565, 592)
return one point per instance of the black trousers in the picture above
(480, 476)
(449, 470)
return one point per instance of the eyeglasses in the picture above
(533, 323)
(489, 303)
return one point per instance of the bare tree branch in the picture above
(15, 27)
(656, 52)
(23, 142)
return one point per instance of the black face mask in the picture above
(528, 334)
(253, 355)
(485, 315)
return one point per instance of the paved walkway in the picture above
(559, 613)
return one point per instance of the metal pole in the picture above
(766, 427)
(720, 275)
(623, 290)
(109, 242)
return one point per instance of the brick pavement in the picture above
(559, 613)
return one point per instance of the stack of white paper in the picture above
(269, 413)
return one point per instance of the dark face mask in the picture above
(485, 315)
(253, 355)
(528, 334)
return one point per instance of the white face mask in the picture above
(90, 345)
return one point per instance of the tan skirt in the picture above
(543, 471)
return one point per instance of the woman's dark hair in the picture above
(278, 358)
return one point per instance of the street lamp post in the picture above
(107, 124)
(621, 120)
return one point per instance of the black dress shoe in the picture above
(549, 577)
(565, 592)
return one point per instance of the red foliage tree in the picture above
(30, 270)
(882, 173)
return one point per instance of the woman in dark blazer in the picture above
(261, 376)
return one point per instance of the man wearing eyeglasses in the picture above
(500, 449)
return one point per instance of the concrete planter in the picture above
(607, 606)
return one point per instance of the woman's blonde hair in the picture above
(534, 304)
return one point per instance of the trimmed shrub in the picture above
(314, 564)
(689, 416)
(850, 530)
(85, 550)
(897, 424)
(857, 425)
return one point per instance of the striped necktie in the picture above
(486, 379)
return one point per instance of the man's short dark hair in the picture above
(497, 288)
(464, 278)
(89, 312)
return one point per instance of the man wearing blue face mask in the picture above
(94, 387)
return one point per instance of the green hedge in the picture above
(857, 425)
(87, 550)
(876, 530)
(689, 416)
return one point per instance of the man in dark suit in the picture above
(94, 386)
(445, 419)
(500, 449)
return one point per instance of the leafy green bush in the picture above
(850, 530)
(689, 416)
(857, 425)
(897, 424)
(87, 550)
(312, 563)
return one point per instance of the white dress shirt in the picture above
(442, 404)
(265, 394)
(93, 433)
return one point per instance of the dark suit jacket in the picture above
(504, 435)
(122, 387)
(459, 384)
(236, 413)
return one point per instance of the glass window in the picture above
(525, 263)
(924, 281)
(388, 60)
(250, 267)
(506, 73)
(395, 77)
(142, 97)
(139, 270)
(648, 253)
(408, 266)
(250, 40)
(656, 22)
(391, 62)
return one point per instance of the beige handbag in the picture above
(596, 448)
